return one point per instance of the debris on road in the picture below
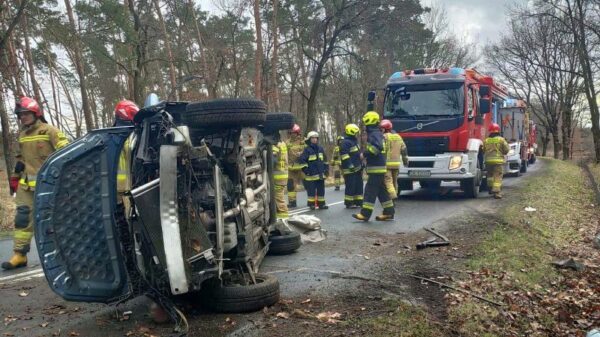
(23, 294)
(569, 263)
(283, 315)
(329, 317)
(308, 226)
(434, 232)
(530, 209)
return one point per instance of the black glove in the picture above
(19, 167)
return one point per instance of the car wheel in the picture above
(283, 244)
(232, 298)
(276, 121)
(524, 164)
(224, 113)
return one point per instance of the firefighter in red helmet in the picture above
(37, 141)
(495, 148)
(295, 147)
(125, 111)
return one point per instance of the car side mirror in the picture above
(484, 105)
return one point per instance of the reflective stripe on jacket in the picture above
(280, 163)
(294, 149)
(396, 151)
(375, 153)
(36, 143)
(313, 162)
(495, 148)
(350, 155)
(123, 181)
(336, 161)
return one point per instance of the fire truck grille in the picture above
(428, 146)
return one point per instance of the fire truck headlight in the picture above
(455, 162)
(511, 152)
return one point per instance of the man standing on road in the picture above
(352, 167)
(336, 163)
(396, 151)
(315, 168)
(280, 177)
(295, 147)
(375, 188)
(37, 141)
(495, 148)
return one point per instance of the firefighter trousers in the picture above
(23, 221)
(494, 177)
(391, 182)
(294, 180)
(315, 191)
(353, 194)
(280, 204)
(337, 176)
(375, 189)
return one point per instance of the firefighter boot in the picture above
(359, 216)
(18, 260)
(384, 217)
(497, 195)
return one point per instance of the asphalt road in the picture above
(309, 272)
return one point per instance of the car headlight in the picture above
(455, 162)
(511, 152)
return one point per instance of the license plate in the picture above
(420, 173)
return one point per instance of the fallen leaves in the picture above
(283, 315)
(329, 317)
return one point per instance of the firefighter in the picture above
(280, 177)
(37, 141)
(336, 163)
(315, 168)
(352, 167)
(376, 156)
(495, 148)
(125, 110)
(397, 155)
(295, 147)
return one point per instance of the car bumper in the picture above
(437, 168)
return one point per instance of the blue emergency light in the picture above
(456, 71)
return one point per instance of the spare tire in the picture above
(277, 121)
(240, 298)
(284, 244)
(225, 113)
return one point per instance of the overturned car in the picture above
(199, 217)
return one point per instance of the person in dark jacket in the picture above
(352, 167)
(375, 155)
(315, 168)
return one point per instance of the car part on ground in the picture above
(284, 242)
(240, 295)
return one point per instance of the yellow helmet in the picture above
(371, 118)
(352, 129)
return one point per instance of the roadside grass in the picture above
(513, 265)
(7, 206)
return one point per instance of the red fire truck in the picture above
(519, 130)
(443, 116)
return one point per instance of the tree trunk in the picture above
(78, 61)
(566, 131)
(6, 134)
(275, 60)
(29, 59)
(174, 92)
(311, 113)
(259, 52)
(209, 79)
(14, 66)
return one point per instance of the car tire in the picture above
(276, 121)
(524, 164)
(284, 244)
(240, 298)
(225, 113)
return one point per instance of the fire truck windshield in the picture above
(425, 100)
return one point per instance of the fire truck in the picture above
(443, 116)
(519, 130)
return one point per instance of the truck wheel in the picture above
(524, 164)
(276, 121)
(284, 244)
(231, 298)
(224, 113)
(470, 187)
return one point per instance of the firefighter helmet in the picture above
(352, 129)
(28, 104)
(312, 134)
(125, 110)
(386, 124)
(494, 128)
(296, 129)
(371, 118)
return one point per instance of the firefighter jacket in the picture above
(396, 151)
(313, 162)
(350, 155)
(280, 163)
(495, 148)
(294, 149)
(123, 171)
(375, 151)
(336, 161)
(36, 143)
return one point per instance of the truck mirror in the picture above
(371, 96)
(484, 105)
(484, 91)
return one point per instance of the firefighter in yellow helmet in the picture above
(336, 164)
(280, 177)
(495, 148)
(376, 157)
(352, 167)
(37, 141)
(295, 147)
(397, 155)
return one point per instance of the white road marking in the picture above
(10, 277)
(306, 209)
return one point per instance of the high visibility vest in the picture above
(36, 143)
(376, 151)
(294, 149)
(395, 148)
(336, 160)
(495, 148)
(280, 163)
(123, 171)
